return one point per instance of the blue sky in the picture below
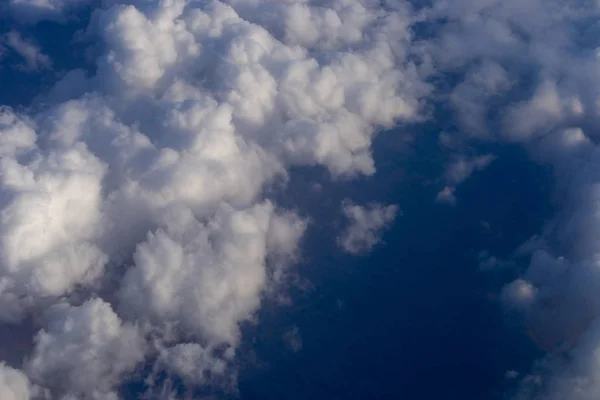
(416, 317)
(327, 199)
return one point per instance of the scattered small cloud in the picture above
(446, 196)
(365, 225)
(293, 339)
(462, 167)
(31, 54)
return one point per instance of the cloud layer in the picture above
(134, 226)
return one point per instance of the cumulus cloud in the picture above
(14, 385)
(51, 211)
(473, 97)
(84, 350)
(133, 219)
(17, 133)
(219, 266)
(365, 225)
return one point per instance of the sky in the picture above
(329, 199)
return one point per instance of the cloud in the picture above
(193, 363)
(133, 219)
(365, 225)
(293, 339)
(472, 97)
(17, 134)
(134, 225)
(219, 266)
(446, 196)
(325, 103)
(14, 385)
(33, 11)
(51, 212)
(532, 81)
(30, 52)
(461, 168)
(84, 350)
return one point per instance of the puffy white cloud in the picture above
(49, 220)
(14, 385)
(84, 350)
(325, 105)
(149, 171)
(142, 180)
(17, 134)
(365, 225)
(206, 278)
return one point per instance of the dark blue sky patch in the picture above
(415, 319)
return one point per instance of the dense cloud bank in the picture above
(134, 227)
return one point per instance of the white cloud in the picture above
(50, 217)
(30, 52)
(151, 171)
(14, 385)
(142, 182)
(195, 364)
(461, 168)
(219, 266)
(446, 196)
(17, 134)
(325, 104)
(33, 11)
(365, 225)
(84, 350)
